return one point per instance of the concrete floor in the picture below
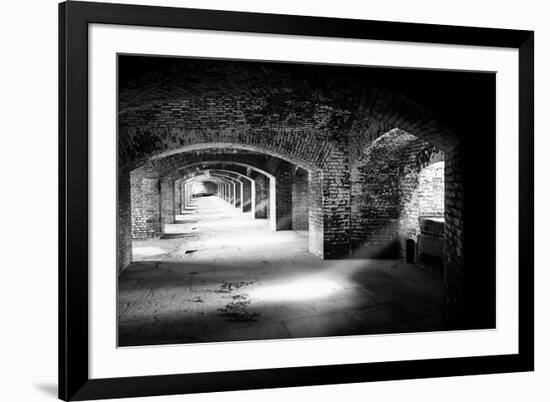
(219, 275)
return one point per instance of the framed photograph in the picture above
(258, 200)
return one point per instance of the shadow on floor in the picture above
(163, 302)
(47, 389)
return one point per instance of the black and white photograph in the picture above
(243, 201)
(272, 200)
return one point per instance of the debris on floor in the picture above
(230, 286)
(238, 311)
(196, 299)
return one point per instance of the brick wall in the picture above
(167, 198)
(228, 191)
(336, 194)
(248, 199)
(291, 111)
(225, 190)
(431, 189)
(375, 199)
(387, 196)
(315, 209)
(311, 115)
(300, 213)
(454, 235)
(145, 202)
(282, 195)
(238, 193)
(261, 195)
(124, 224)
(177, 196)
(421, 190)
(231, 192)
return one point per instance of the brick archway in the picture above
(248, 189)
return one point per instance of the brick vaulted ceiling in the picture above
(300, 112)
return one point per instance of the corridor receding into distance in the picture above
(217, 274)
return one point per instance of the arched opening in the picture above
(282, 191)
(429, 231)
(398, 191)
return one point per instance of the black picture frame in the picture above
(74, 381)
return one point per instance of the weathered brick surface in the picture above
(248, 192)
(178, 196)
(238, 193)
(231, 192)
(124, 224)
(299, 116)
(145, 202)
(281, 197)
(284, 110)
(375, 198)
(167, 200)
(390, 192)
(421, 190)
(261, 195)
(228, 192)
(315, 207)
(454, 234)
(300, 191)
(217, 157)
(336, 200)
(223, 190)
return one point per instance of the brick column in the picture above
(261, 195)
(238, 192)
(177, 196)
(167, 200)
(187, 191)
(453, 265)
(182, 196)
(336, 204)
(300, 215)
(248, 191)
(283, 196)
(145, 202)
(124, 235)
(231, 187)
(315, 206)
(225, 190)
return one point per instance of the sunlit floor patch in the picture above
(297, 290)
